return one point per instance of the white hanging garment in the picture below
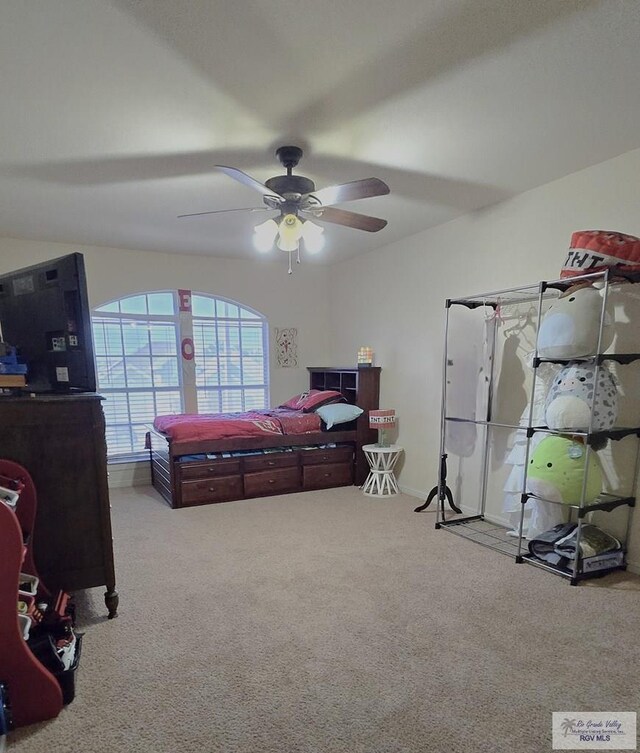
(468, 376)
(538, 513)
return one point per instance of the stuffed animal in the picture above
(596, 250)
(556, 471)
(569, 328)
(570, 398)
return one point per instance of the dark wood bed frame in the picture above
(184, 482)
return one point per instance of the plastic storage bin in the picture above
(43, 647)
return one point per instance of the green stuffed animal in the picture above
(556, 471)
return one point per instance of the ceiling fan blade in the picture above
(356, 189)
(349, 219)
(241, 177)
(222, 211)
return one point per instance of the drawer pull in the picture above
(211, 470)
(272, 481)
(271, 462)
(212, 488)
(327, 475)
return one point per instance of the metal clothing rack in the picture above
(478, 527)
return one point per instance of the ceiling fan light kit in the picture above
(264, 235)
(297, 200)
(287, 236)
(289, 233)
(313, 236)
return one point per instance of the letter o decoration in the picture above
(187, 349)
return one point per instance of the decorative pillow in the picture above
(556, 471)
(338, 413)
(568, 404)
(308, 401)
(570, 327)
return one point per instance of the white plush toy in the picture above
(570, 327)
(570, 399)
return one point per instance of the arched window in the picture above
(172, 352)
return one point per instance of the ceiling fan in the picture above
(298, 203)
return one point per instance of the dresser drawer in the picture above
(329, 455)
(222, 467)
(324, 476)
(219, 489)
(275, 481)
(270, 460)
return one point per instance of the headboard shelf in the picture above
(360, 386)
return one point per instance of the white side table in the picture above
(381, 481)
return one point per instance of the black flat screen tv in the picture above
(45, 314)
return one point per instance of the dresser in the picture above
(60, 440)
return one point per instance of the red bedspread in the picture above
(188, 427)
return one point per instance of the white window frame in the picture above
(187, 383)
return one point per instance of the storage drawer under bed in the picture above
(270, 460)
(276, 481)
(327, 475)
(326, 455)
(220, 489)
(201, 471)
(199, 482)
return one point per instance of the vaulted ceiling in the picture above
(113, 113)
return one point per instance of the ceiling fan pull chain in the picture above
(290, 270)
(298, 259)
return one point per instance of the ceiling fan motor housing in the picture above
(289, 156)
(290, 184)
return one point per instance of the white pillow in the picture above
(338, 413)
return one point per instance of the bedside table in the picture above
(381, 481)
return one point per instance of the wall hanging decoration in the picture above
(287, 347)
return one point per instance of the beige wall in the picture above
(393, 299)
(297, 300)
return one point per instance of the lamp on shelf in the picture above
(287, 236)
(382, 420)
(365, 356)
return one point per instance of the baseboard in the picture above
(412, 492)
(633, 567)
(497, 519)
(129, 474)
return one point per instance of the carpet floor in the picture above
(330, 622)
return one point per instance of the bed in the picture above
(199, 460)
